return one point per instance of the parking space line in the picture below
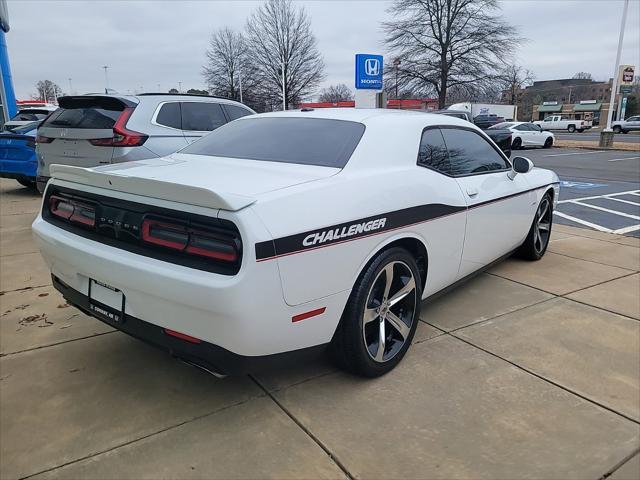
(613, 212)
(620, 159)
(606, 195)
(622, 231)
(623, 201)
(583, 222)
(575, 153)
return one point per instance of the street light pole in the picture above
(106, 79)
(396, 63)
(70, 87)
(240, 81)
(179, 87)
(606, 137)
(284, 90)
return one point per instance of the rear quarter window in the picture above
(169, 115)
(306, 141)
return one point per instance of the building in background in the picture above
(578, 98)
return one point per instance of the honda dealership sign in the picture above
(369, 71)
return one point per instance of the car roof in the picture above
(368, 115)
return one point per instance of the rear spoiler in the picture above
(148, 187)
(100, 101)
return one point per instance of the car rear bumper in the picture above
(205, 355)
(18, 169)
(244, 314)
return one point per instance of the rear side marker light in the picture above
(304, 316)
(72, 210)
(122, 136)
(190, 241)
(182, 336)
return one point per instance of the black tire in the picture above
(571, 128)
(516, 144)
(580, 130)
(354, 347)
(537, 241)
(625, 131)
(31, 184)
(617, 129)
(548, 143)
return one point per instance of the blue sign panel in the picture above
(369, 71)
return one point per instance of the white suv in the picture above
(92, 130)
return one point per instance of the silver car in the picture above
(92, 130)
(631, 124)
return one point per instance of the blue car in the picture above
(18, 154)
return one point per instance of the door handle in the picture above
(472, 192)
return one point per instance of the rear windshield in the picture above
(307, 141)
(85, 117)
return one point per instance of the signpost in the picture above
(369, 81)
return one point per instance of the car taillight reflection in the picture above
(189, 240)
(72, 210)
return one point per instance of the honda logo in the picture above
(372, 67)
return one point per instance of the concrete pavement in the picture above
(531, 370)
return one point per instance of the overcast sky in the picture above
(151, 44)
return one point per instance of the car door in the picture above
(500, 209)
(536, 132)
(445, 235)
(632, 123)
(525, 134)
(200, 118)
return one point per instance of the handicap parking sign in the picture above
(369, 69)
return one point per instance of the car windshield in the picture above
(306, 141)
(500, 125)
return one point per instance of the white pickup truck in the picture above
(561, 122)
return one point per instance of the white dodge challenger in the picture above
(282, 232)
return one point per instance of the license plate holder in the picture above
(106, 302)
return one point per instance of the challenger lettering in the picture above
(344, 232)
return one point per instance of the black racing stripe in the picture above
(364, 227)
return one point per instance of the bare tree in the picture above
(583, 76)
(336, 93)
(448, 44)
(47, 91)
(513, 78)
(223, 71)
(282, 49)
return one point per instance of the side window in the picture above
(201, 116)
(470, 153)
(522, 127)
(233, 112)
(169, 115)
(433, 151)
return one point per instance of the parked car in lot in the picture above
(625, 126)
(561, 122)
(291, 230)
(18, 154)
(92, 130)
(486, 121)
(525, 134)
(27, 115)
(501, 137)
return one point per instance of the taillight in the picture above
(193, 241)
(43, 139)
(122, 136)
(72, 210)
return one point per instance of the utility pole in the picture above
(284, 89)
(396, 63)
(70, 87)
(240, 81)
(179, 87)
(106, 79)
(606, 136)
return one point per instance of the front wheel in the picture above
(381, 316)
(548, 143)
(537, 241)
(617, 129)
(571, 128)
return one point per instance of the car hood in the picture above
(214, 182)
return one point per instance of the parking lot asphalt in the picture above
(531, 370)
(594, 136)
(599, 190)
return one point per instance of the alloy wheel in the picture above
(542, 226)
(389, 311)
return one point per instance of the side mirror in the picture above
(520, 165)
